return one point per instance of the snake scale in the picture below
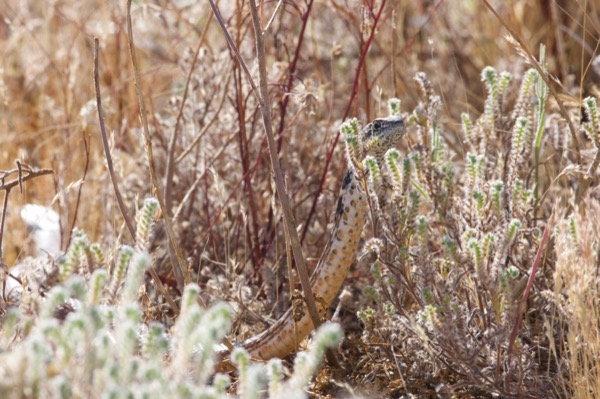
(283, 337)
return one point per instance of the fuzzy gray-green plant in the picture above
(592, 126)
(394, 106)
(144, 220)
(75, 256)
(105, 349)
(350, 131)
(458, 263)
(306, 363)
(123, 258)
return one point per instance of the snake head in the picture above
(382, 134)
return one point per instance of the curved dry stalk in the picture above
(179, 269)
(109, 163)
(289, 220)
(263, 99)
(120, 202)
(171, 160)
(532, 60)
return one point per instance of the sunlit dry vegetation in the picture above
(477, 275)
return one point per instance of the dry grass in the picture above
(436, 318)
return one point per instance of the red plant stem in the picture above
(240, 106)
(355, 86)
(217, 214)
(171, 158)
(86, 145)
(515, 330)
(252, 225)
(285, 99)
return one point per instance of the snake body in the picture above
(283, 337)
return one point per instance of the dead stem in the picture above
(171, 160)
(109, 163)
(23, 174)
(288, 216)
(120, 202)
(364, 49)
(177, 262)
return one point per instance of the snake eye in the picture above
(376, 126)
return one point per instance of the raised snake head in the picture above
(380, 135)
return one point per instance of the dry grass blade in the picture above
(289, 219)
(109, 163)
(540, 70)
(122, 207)
(177, 261)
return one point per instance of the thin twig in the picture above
(214, 118)
(262, 96)
(252, 227)
(363, 54)
(234, 48)
(289, 220)
(177, 261)
(109, 162)
(277, 7)
(521, 309)
(171, 161)
(21, 178)
(86, 144)
(31, 174)
(153, 273)
(291, 74)
(2, 219)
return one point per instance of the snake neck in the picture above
(295, 325)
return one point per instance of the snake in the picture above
(284, 336)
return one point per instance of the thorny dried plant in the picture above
(459, 219)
